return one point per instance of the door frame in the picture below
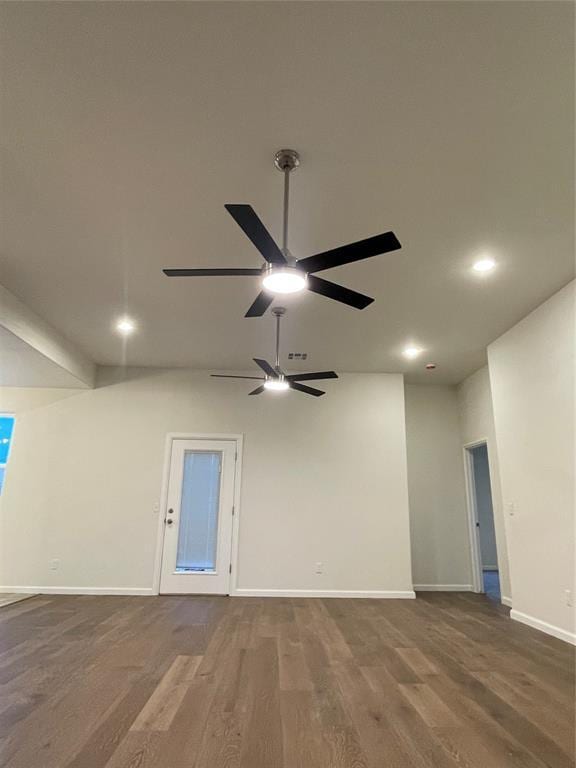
(472, 513)
(171, 437)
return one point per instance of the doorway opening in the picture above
(481, 521)
(202, 477)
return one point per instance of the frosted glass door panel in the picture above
(200, 501)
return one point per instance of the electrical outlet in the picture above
(569, 599)
(510, 508)
(319, 568)
(54, 564)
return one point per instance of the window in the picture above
(6, 429)
(200, 501)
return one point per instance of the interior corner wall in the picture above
(438, 518)
(323, 480)
(532, 379)
(477, 424)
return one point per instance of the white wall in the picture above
(532, 378)
(323, 480)
(440, 540)
(477, 424)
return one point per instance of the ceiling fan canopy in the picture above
(281, 272)
(274, 379)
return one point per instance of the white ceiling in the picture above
(127, 126)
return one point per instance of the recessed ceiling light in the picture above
(411, 352)
(125, 326)
(276, 385)
(484, 265)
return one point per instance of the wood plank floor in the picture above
(196, 682)
(7, 598)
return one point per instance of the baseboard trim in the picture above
(443, 588)
(373, 594)
(543, 626)
(145, 591)
(506, 601)
(138, 591)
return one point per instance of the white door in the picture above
(196, 557)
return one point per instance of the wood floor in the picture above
(198, 682)
(7, 598)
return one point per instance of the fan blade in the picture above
(338, 292)
(225, 376)
(312, 376)
(257, 391)
(246, 218)
(305, 389)
(211, 272)
(346, 254)
(266, 367)
(260, 304)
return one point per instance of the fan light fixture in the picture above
(274, 379)
(282, 273)
(276, 385)
(284, 280)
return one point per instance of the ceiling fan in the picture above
(282, 273)
(275, 379)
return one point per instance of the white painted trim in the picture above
(472, 514)
(476, 443)
(444, 588)
(378, 594)
(235, 548)
(79, 590)
(506, 601)
(543, 626)
(162, 515)
(204, 436)
(236, 437)
(149, 591)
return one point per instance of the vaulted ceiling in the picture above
(127, 126)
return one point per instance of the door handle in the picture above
(169, 521)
